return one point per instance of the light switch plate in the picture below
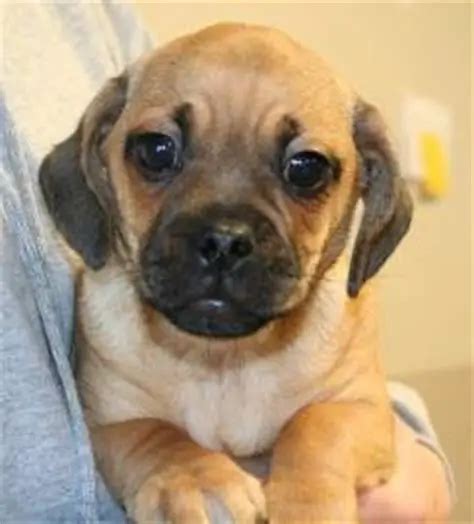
(426, 144)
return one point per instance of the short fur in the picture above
(171, 413)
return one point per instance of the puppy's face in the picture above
(222, 171)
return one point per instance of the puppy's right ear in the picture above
(72, 178)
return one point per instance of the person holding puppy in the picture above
(45, 434)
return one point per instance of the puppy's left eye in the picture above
(308, 171)
(153, 153)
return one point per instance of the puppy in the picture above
(209, 191)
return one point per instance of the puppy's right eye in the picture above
(153, 153)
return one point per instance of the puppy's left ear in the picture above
(387, 203)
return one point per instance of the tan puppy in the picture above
(209, 191)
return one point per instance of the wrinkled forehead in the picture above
(246, 81)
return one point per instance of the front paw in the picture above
(310, 501)
(208, 490)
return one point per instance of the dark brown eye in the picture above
(308, 170)
(153, 153)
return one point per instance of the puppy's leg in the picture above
(158, 472)
(324, 453)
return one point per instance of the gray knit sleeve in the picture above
(409, 406)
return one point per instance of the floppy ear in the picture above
(74, 182)
(387, 202)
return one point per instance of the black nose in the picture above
(226, 243)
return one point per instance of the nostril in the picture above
(224, 247)
(209, 248)
(240, 247)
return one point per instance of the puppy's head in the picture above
(222, 171)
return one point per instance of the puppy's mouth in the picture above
(222, 272)
(215, 317)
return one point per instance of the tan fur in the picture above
(240, 405)
(169, 411)
(141, 376)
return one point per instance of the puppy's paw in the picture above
(210, 490)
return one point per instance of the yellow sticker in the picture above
(434, 164)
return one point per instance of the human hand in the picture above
(417, 493)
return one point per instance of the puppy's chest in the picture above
(123, 375)
(239, 411)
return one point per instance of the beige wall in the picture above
(386, 51)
